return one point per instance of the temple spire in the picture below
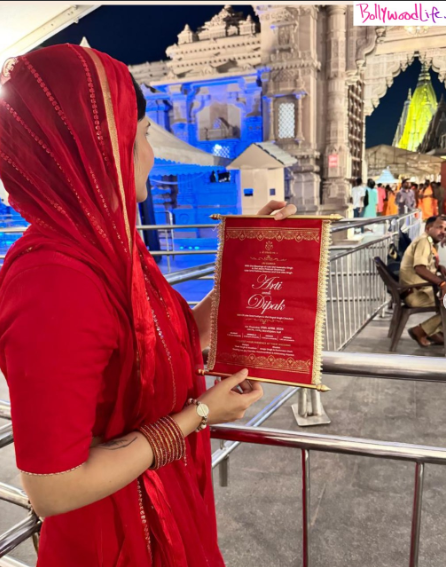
(417, 113)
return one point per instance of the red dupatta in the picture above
(68, 121)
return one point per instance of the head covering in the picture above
(68, 119)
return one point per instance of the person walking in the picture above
(370, 200)
(427, 201)
(405, 198)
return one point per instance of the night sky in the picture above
(136, 34)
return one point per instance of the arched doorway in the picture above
(386, 122)
(396, 48)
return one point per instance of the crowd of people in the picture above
(374, 200)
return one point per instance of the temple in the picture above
(235, 82)
(434, 141)
(417, 113)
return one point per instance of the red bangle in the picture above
(167, 441)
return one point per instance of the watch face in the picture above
(202, 410)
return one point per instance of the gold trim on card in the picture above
(273, 233)
(313, 217)
(321, 302)
(108, 104)
(267, 362)
(215, 299)
(318, 387)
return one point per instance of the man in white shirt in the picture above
(358, 194)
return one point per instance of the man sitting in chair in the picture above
(420, 264)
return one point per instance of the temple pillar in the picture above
(336, 159)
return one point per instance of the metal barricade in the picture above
(379, 366)
(306, 442)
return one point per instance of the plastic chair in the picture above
(401, 311)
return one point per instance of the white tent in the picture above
(26, 25)
(168, 147)
(402, 163)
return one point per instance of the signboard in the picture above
(333, 160)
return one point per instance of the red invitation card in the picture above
(269, 298)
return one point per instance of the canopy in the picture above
(169, 148)
(386, 178)
(24, 26)
(402, 162)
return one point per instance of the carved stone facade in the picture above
(305, 77)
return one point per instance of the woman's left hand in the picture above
(282, 210)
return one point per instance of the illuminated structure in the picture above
(434, 141)
(304, 78)
(402, 121)
(417, 115)
(234, 83)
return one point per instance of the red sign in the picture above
(333, 160)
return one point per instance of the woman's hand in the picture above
(225, 404)
(282, 210)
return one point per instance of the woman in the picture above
(370, 200)
(100, 354)
(381, 198)
(414, 187)
(427, 201)
(390, 207)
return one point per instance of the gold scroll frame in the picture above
(320, 309)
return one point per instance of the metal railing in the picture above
(10, 562)
(381, 366)
(391, 223)
(307, 442)
(356, 292)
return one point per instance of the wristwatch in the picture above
(202, 411)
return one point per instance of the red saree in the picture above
(119, 345)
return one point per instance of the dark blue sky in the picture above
(136, 34)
